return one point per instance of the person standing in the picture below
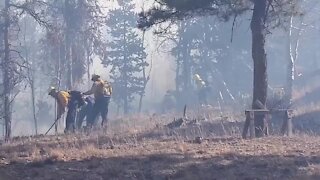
(202, 90)
(102, 91)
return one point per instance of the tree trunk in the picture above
(125, 103)
(6, 73)
(177, 80)
(126, 96)
(69, 62)
(88, 67)
(33, 98)
(125, 69)
(140, 103)
(186, 77)
(186, 70)
(145, 79)
(31, 79)
(186, 67)
(291, 68)
(58, 71)
(68, 45)
(142, 93)
(260, 81)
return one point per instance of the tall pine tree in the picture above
(125, 55)
(74, 39)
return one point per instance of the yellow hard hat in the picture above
(51, 90)
(197, 76)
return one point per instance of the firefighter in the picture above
(102, 91)
(201, 89)
(62, 98)
(76, 101)
(67, 99)
(85, 111)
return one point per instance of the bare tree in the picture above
(294, 32)
(6, 72)
(30, 77)
(12, 69)
(291, 66)
(145, 77)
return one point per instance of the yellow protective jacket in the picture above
(62, 102)
(200, 83)
(100, 88)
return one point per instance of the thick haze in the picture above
(235, 65)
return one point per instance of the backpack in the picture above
(108, 88)
(77, 96)
(104, 88)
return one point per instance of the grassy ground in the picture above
(100, 157)
(143, 149)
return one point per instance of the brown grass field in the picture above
(141, 148)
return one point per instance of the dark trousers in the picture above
(100, 107)
(202, 94)
(84, 112)
(71, 116)
(76, 100)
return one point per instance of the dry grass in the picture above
(140, 148)
(215, 158)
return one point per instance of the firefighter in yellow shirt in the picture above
(102, 91)
(201, 88)
(70, 99)
(62, 98)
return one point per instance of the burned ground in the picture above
(130, 157)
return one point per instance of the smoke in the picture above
(162, 68)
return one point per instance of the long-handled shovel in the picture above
(52, 125)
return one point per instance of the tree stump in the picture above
(287, 123)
